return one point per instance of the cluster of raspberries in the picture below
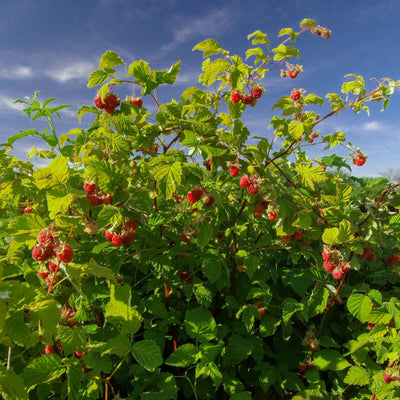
(96, 197)
(124, 236)
(47, 246)
(333, 262)
(247, 98)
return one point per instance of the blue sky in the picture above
(52, 46)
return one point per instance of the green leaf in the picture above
(200, 324)
(49, 312)
(75, 377)
(58, 202)
(203, 295)
(55, 174)
(16, 328)
(205, 234)
(359, 306)
(296, 130)
(317, 301)
(71, 339)
(238, 349)
(209, 369)
(330, 360)
(331, 236)
(168, 177)
(212, 69)
(168, 77)
(357, 376)
(307, 22)
(11, 385)
(259, 37)
(43, 369)
(345, 232)
(209, 47)
(119, 345)
(309, 174)
(119, 311)
(251, 264)
(241, 396)
(147, 354)
(183, 356)
(212, 268)
(110, 59)
(94, 269)
(86, 109)
(97, 78)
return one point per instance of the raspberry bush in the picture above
(159, 255)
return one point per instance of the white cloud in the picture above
(216, 21)
(373, 126)
(64, 73)
(18, 72)
(7, 102)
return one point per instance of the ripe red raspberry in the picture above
(286, 239)
(109, 109)
(28, 210)
(386, 377)
(194, 195)
(45, 237)
(371, 326)
(42, 252)
(98, 102)
(256, 92)
(272, 216)
(117, 240)
(295, 95)
(185, 238)
(253, 188)
(135, 100)
(261, 311)
(234, 171)
(65, 253)
(302, 367)
(89, 187)
(111, 100)
(108, 235)
(107, 199)
(392, 259)
(326, 256)
(337, 273)
(132, 225)
(94, 199)
(360, 160)
(52, 266)
(247, 98)
(128, 236)
(372, 257)
(366, 253)
(236, 96)
(298, 235)
(329, 266)
(43, 272)
(79, 353)
(314, 344)
(293, 73)
(210, 201)
(186, 277)
(49, 349)
(244, 181)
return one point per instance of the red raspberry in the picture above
(94, 199)
(194, 195)
(42, 252)
(210, 201)
(337, 273)
(329, 266)
(302, 367)
(79, 353)
(185, 238)
(386, 377)
(326, 256)
(244, 181)
(293, 73)
(360, 160)
(234, 171)
(366, 253)
(186, 277)
(109, 109)
(392, 259)
(48, 349)
(135, 100)
(132, 225)
(256, 92)
(98, 102)
(111, 100)
(108, 235)
(295, 95)
(371, 326)
(325, 33)
(28, 210)
(371, 258)
(247, 98)
(117, 240)
(286, 239)
(107, 199)
(52, 266)
(89, 187)
(261, 311)
(236, 96)
(298, 235)
(43, 272)
(272, 216)
(128, 236)
(252, 188)
(65, 253)
(45, 237)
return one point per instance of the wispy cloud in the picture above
(188, 28)
(8, 103)
(373, 126)
(65, 73)
(17, 72)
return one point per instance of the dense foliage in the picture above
(170, 255)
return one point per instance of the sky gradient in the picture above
(53, 46)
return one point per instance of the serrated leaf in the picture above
(212, 268)
(308, 175)
(97, 78)
(330, 360)
(238, 349)
(307, 22)
(357, 376)
(183, 356)
(75, 376)
(71, 339)
(58, 202)
(110, 59)
(43, 369)
(12, 385)
(56, 173)
(205, 234)
(200, 324)
(359, 306)
(147, 354)
(345, 232)
(296, 130)
(16, 328)
(212, 69)
(330, 236)
(203, 295)
(168, 177)
(208, 47)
